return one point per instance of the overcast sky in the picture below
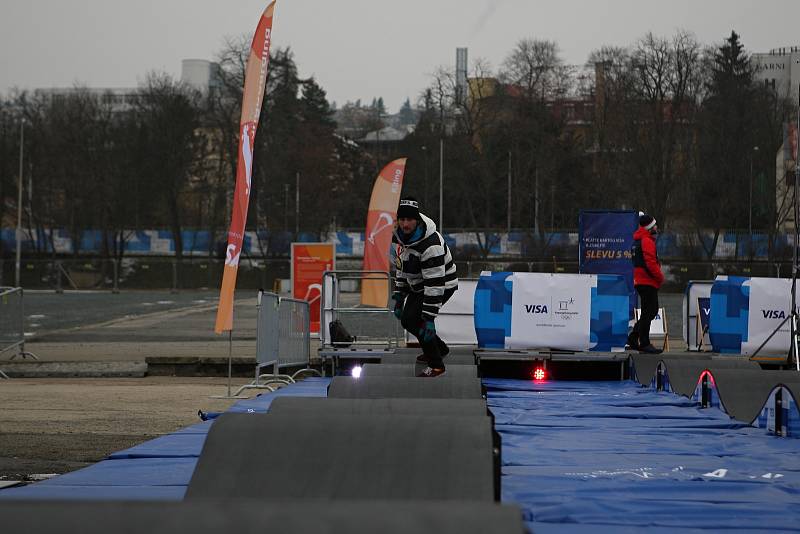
(355, 48)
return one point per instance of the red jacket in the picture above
(646, 267)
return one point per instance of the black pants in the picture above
(412, 321)
(648, 295)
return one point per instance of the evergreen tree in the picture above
(727, 122)
(314, 104)
(406, 114)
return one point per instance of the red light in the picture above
(538, 374)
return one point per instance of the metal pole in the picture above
(441, 181)
(793, 351)
(115, 288)
(425, 154)
(19, 205)
(536, 200)
(230, 359)
(174, 276)
(750, 203)
(509, 191)
(285, 207)
(297, 205)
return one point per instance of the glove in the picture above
(398, 304)
(428, 331)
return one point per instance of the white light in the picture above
(356, 371)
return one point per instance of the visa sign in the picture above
(773, 314)
(535, 308)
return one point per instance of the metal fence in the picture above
(142, 273)
(12, 323)
(368, 325)
(283, 340)
(202, 273)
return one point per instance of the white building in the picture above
(780, 70)
(200, 74)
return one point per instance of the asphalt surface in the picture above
(48, 313)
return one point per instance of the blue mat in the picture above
(611, 457)
(200, 428)
(260, 404)
(177, 445)
(129, 472)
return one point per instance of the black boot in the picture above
(649, 349)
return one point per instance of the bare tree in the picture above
(167, 116)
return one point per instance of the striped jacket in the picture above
(425, 266)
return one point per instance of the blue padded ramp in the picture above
(611, 457)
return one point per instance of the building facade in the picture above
(779, 69)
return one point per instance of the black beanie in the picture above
(647, 221)
(408, 209)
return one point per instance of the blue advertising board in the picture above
(605, 238)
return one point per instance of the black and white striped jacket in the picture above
(425, 266)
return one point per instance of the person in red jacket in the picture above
(647, 279)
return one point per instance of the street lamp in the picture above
(425, 157)
(753, 153)
(441, 185)
(19, 203)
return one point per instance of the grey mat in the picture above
(372, 457)
(427, 407)
(744, 393)
(450, 359)
(646, 364)
(411, 370)
(684, 374)
(387, 387)
(250, 517)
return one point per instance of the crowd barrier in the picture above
(371, 332)
(200, 271)
(283, 340)
(12, 324)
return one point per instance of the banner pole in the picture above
(230, 371)
(230, 359)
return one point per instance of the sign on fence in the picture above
(309, 262)
(556, 311)
(746, 311)
(605, 239)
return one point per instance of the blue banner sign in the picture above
(605, 239)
